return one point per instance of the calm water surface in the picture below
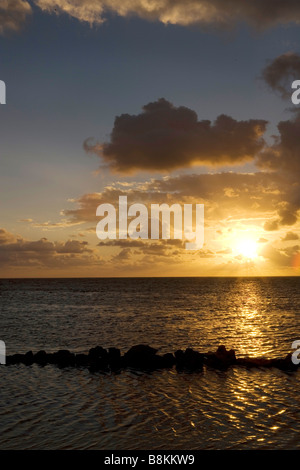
(49, 408)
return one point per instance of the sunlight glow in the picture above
(247, 248)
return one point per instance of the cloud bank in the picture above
(16, 251)
(222, 13)
(204, 13)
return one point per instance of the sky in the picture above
(177, 102)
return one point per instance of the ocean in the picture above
(239, 408)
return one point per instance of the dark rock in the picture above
(189, 359)
(227, 357)
(28, 358)
(221, 359)
(40, 358)
(158, 362)
(63, 358)
(97, 353)
(255, 362)
(179, 357)
(286, 364)
(81, 360)
(98, 365)
(114, 355)
(114, 358)
(145, 357)
(14, 359)
(168, 360)
(141, 356)
(193, 359)
(98, 359)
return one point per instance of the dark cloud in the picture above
(13, 13)
(281, 72)
(284, 155)
(283, 159)
(164, 137)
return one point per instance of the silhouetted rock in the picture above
(63, 358)
(189, 359)
(286, 364)
(114, 358)
(41, 358)
(227, 357)
(255, 362)
(168, 360)
(81, 360)
(98, 365)
(15, 359)
(193, 359)
(179, 358)
(114, 353)
(145, 357)
(141, 356)
(28, 358)
(97, 353)
(221, 359)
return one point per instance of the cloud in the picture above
(281, 72)
(283, 159)
(141, 244)
(6, 237)
(13, 13)
(218, 13)
(48, 225)
(262, 240)
(257, 193)
(271, 225)
(164, 137)
(280, 257)
(287, 216)
(204, 13)
(17, 251)
(284, 155)
(289, 236)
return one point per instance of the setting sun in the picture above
(247, 248)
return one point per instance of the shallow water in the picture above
(239, 408)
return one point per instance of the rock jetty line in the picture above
(144, 357)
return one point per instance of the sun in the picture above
(247, 248)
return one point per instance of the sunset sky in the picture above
(182, 101)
